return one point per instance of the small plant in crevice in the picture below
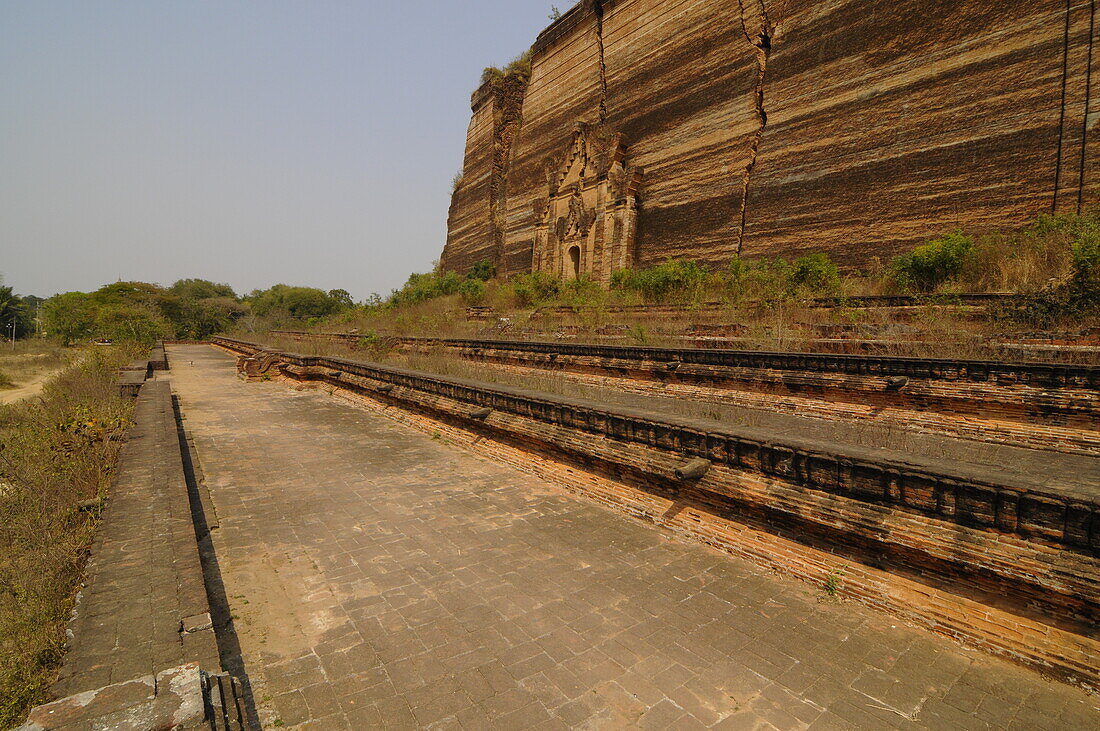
(832, 584)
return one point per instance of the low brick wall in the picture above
(144, 579)
(1027, 433)
(158, 359)
(142, 620)
(1016, 405)
(979, 556)
(1044, 375)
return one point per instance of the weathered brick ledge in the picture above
(1061, 419)
(142, 629)
(981, 557)
(1045, 375)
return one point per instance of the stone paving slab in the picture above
(379, 578)
(144, 578)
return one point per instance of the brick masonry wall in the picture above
(780, 128)
(1062, 420)
(144, 607)
(972, 424)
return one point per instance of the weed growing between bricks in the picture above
(57, 452)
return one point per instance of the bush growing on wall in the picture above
(483, 270)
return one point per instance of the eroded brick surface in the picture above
(379, 576)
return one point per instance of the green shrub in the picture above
(582, 293)
(535, 288)
(768, 280)
(483, 270)
(929, 266)
(472, 291)
(423, 287)
(1077, 296)
(671, 279)
(1086, 265)
(816, 273)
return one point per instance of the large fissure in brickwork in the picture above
(508, 117)
(598, 8)
(1062, 108)
(1082, 164)
(1076, 27)
(760, 38)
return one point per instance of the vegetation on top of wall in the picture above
(1068, 298)
(657, 283)
(1027, 261)
(1054, 261)
(519, 68)
(483, 270)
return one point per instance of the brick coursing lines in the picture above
(916, 544)
(1032, 515)
(969, 416)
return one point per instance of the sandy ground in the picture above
(28, 389)
(29, 379)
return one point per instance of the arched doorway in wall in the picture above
(574, 262)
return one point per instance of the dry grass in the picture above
(30, 359)
(767, 301)
(57, 450)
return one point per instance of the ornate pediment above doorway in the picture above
(588, 218)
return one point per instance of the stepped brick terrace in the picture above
(380, 576)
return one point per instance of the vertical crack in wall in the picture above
(1085, 116)
(761, 41)
(1062, 110)
(507, 117)
(598, 7)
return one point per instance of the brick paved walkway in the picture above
(144, 577)
(379, 577)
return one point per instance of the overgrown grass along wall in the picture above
(57, 453)
(1054, 262)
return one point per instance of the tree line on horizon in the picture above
(189, 309)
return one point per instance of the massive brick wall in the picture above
(475, 224)
(856, 127)
(470, 236)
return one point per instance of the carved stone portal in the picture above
(588, 219)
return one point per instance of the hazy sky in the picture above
(249, 142)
